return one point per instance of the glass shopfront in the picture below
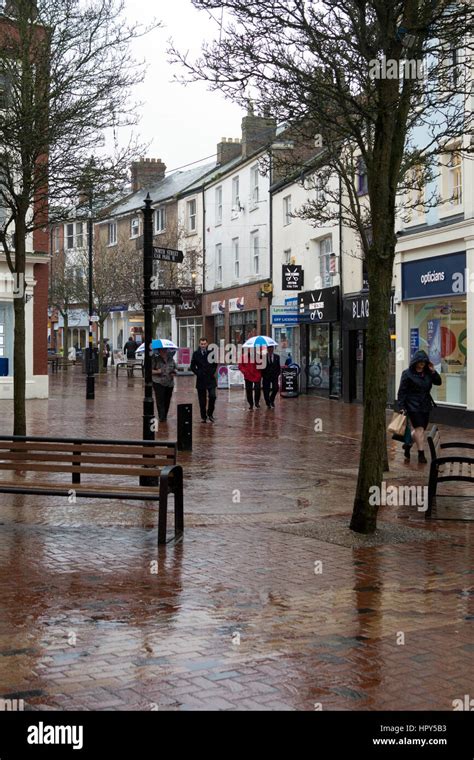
(219, 328)
(318, 314)
(439, 328)
(434, 294)
(190, 330)
(243, 325)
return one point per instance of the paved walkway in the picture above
(245, 613)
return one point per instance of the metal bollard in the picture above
(185, 427)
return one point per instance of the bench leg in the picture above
(178, 502)
(432, 487)
(163, 509)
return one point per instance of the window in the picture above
(362, 183)
(319, 190)
(69, 236)
(191, 216)
(235, 194)
(160, 219)
(325, 250)
(134, 227)
(254, 192)
(219, 262)
(287, 256)
(79, 235)
(56, 238)
(287, 209)
(416, 195)
(112, 233)
(235, 256)
(455, 178)
(219, 205)
(255, 252)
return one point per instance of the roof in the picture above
(162, 190)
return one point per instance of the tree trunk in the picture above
(66, 335)
(19, 335)
(374, 448)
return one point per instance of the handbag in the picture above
(398, 424)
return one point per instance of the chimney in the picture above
(228, 149)
(147, 171)
(257, 131)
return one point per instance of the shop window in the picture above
(439, 328)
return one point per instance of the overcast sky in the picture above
(184, 123)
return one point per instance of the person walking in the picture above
(414, 400)
(252, 376)
(163, 371)
(270, 374)
(105, 354)
(206, 382)
(130, 348)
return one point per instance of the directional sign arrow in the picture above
(168, 254)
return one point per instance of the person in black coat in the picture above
(270, 375)
(206, 382)
(414, 399)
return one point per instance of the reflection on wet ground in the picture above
(239, 615)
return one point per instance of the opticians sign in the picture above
(217, 307)
(432, 277)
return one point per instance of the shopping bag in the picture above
(398, 424)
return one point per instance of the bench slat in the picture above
(93, 448)
(58, 485)
(25, 457)
(152, 471)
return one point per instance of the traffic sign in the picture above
(168, 254)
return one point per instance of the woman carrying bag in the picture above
(414, 400)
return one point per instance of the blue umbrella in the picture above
(163, 343)
(259, 340)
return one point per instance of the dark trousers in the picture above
(202, 396)
(163, 395)
(270, 389)
(251, 387)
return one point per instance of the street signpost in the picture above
(168, 254)
(166, 296)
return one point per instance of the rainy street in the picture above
(266, 603)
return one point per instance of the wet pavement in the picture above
(245, 613)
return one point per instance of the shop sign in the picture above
(292, 277)
(414, 341)
(218, 307)
(319, 306)
(236, 304)
(285, 315)
(190, 307)
(357, 308)
(435, 276)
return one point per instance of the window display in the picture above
(439, 328)
(319, 364)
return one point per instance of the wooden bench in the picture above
(444, 468)
(129, 366)
(100, 469)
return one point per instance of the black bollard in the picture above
(185, 427)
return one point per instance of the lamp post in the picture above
(148, 409)
(90, 382)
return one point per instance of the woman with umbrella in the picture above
(163, 372)
(252, 370)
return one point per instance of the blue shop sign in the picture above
(435, 276)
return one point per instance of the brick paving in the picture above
(95, 617)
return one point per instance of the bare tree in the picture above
(379, 85)
(67, 73)
(67, 288)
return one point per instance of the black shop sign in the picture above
(319, 306)
(292, 277)
(356, 311)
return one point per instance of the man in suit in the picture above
(206, 382)
(270, 375)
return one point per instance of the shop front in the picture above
(286, 330)
(190, 330)
(435, 319)
(320, 341)
(355, 321)
(235, 315)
